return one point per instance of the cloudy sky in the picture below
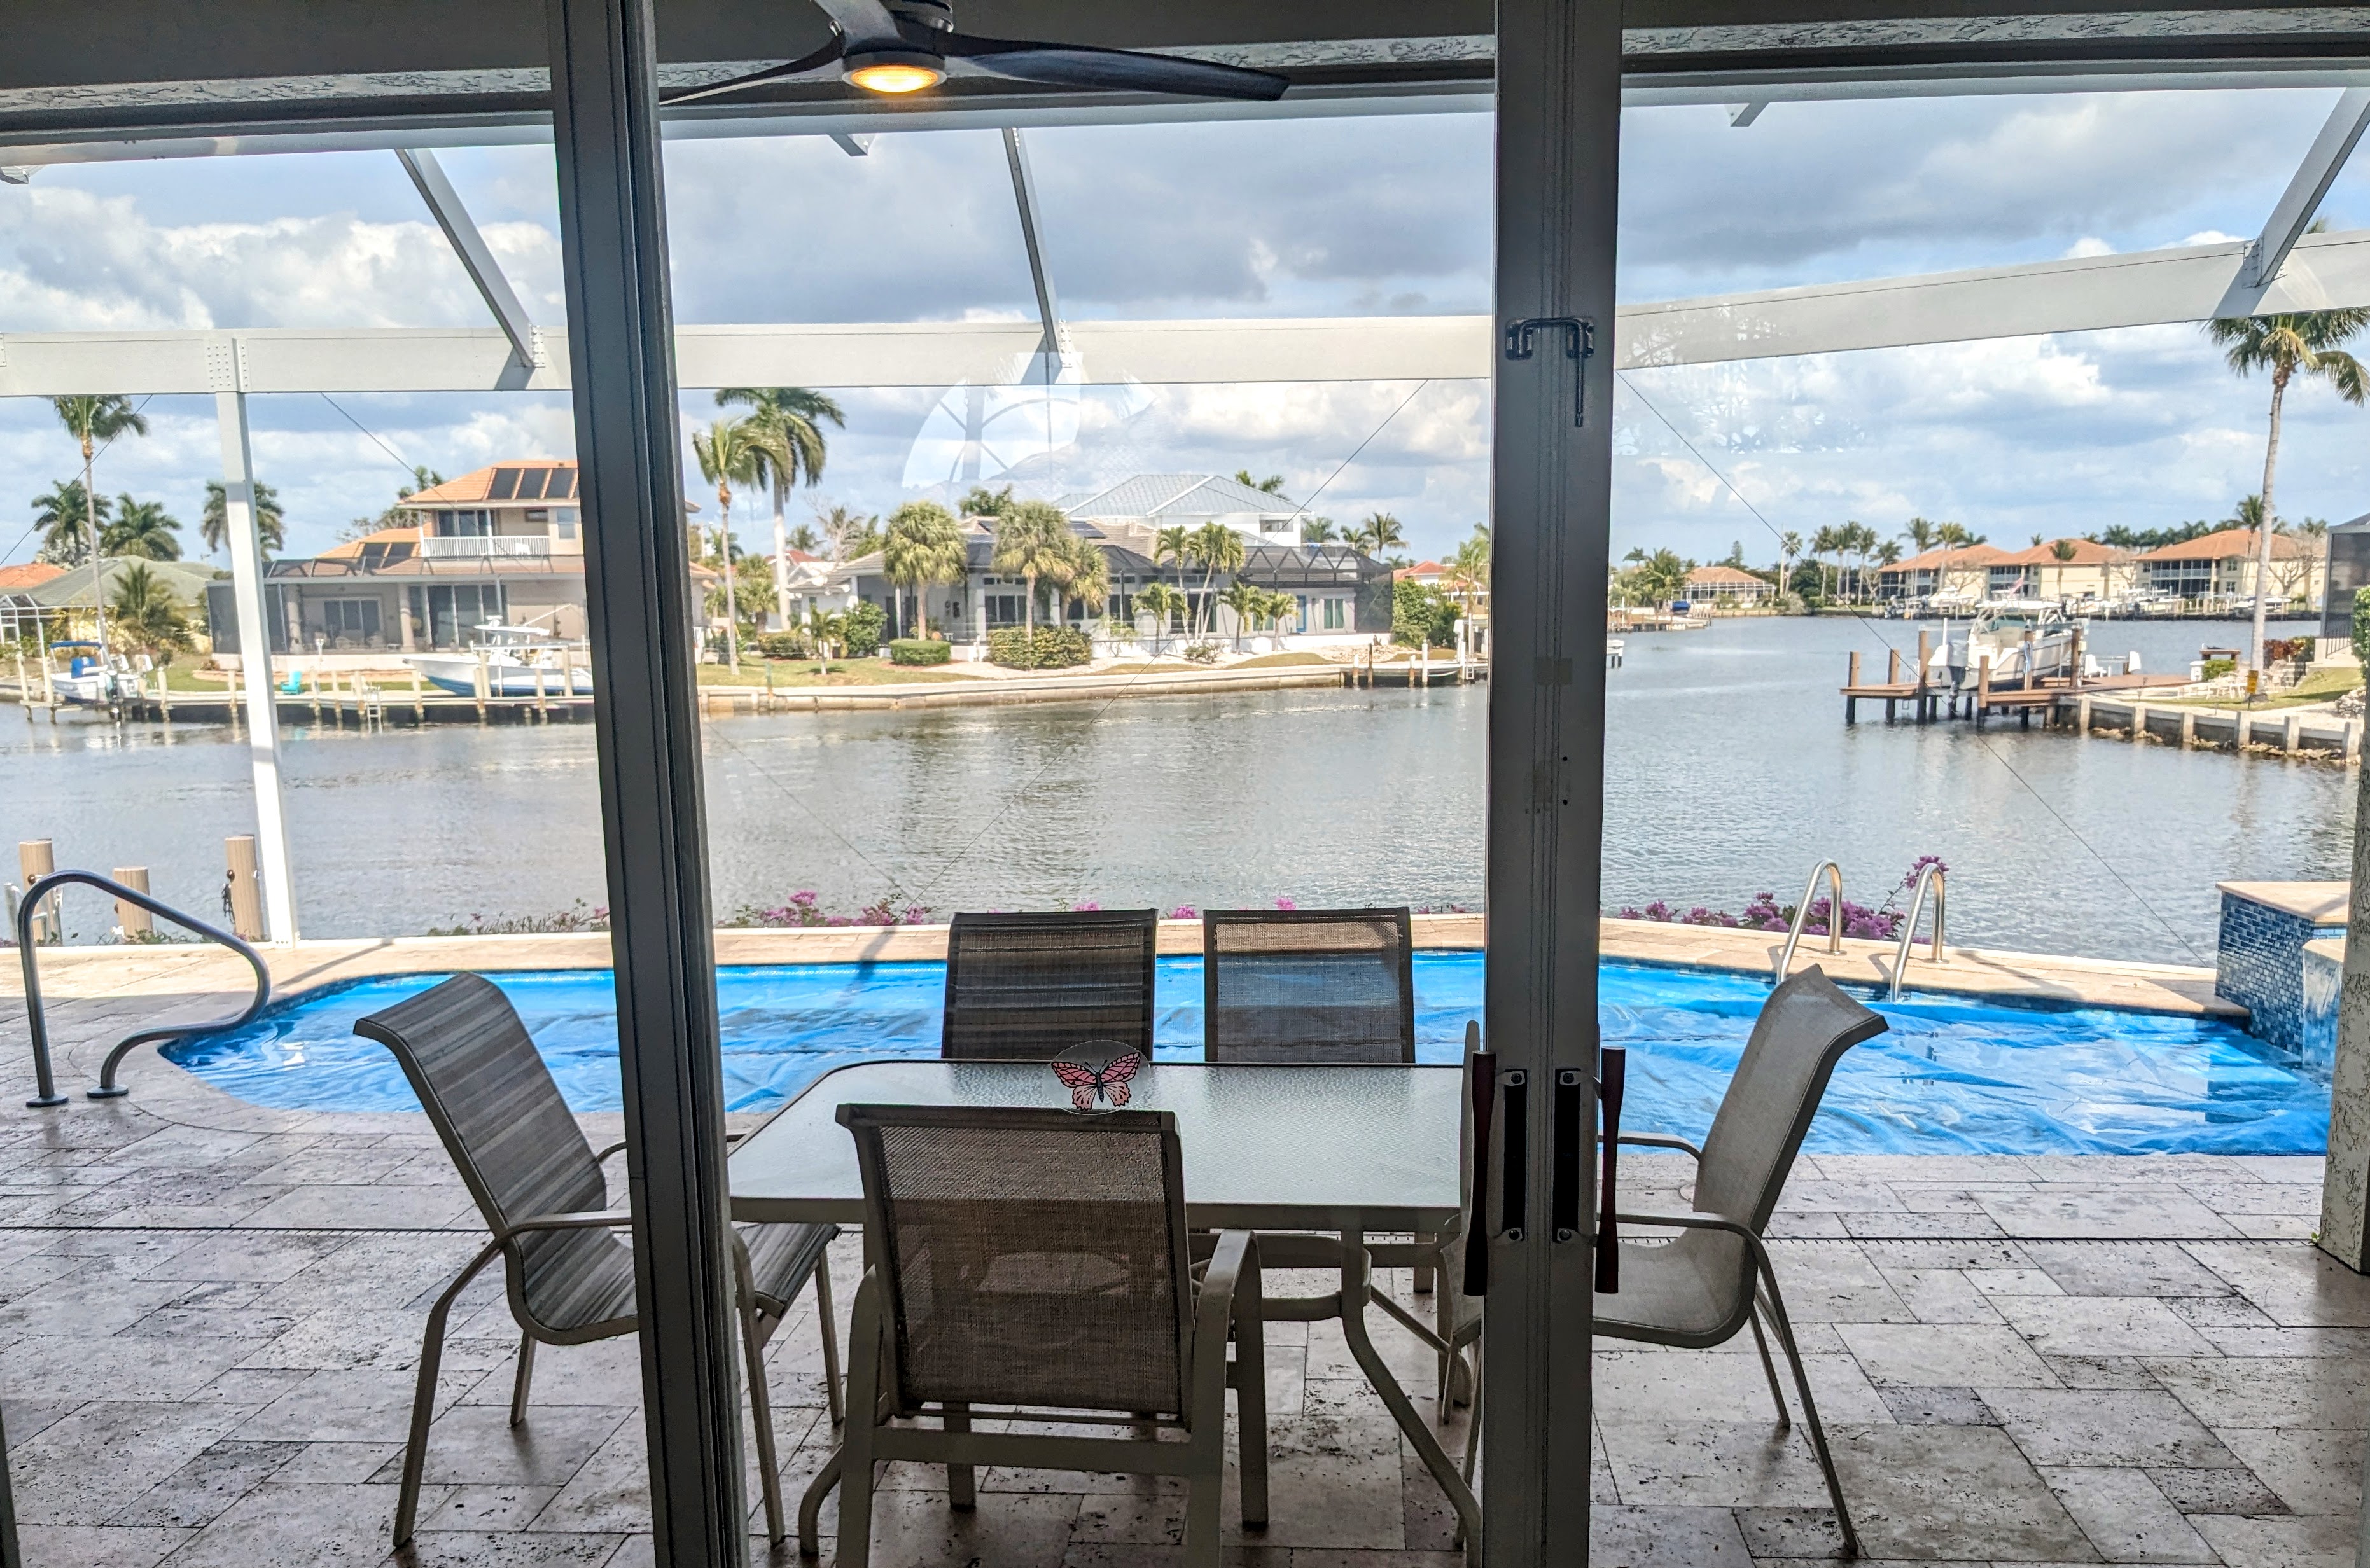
(1327, 217)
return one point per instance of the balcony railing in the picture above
(484, 546)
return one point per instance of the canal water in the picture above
(1730, 772)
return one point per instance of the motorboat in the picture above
(92, 678)
(2004, 635)
(513, 662)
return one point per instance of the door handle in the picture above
(1613, 1072)
(1513, 1171)
(1565, 1209)
(1483, 1092)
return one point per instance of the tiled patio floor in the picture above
(209, 1315)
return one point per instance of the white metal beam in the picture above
(1032, 237)
(2082, 294)
(2305, 192)
(476, 258)
(255, 658)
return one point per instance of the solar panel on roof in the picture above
(563, 477)
(505, 485)
(530, 484)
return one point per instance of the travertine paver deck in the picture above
(209, 1314)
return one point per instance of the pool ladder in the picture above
(1930, 876)
(36, 1018)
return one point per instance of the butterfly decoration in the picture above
(1108, 1082)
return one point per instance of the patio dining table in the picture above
(1348, 1150)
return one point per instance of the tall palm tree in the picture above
(1248, 601)
(1162, 602)
(1920, 534)
(732, 451)
(923, 545)
(1218, 549)
(146, 613)
(849, 534)
(1032, 540)
(1379, 532)
(1272, 485)
(981, 501)
(1825, 543)
(142, 527)
(1319, 531)
(2305, 343)
(795, 415)
(95, 419)
(1085, 577)
(214, 522)
(1171, 544)
(1790, 544)
(60, 515)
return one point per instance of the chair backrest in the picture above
(1309, 986)
(503, 1120)
(1804, 1028)
(1028, 1256)
(1032, 987)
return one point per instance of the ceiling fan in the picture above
(902, 46)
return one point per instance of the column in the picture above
(255, 667)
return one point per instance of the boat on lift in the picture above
(2004, 634)
(93, 677)
(517, 661)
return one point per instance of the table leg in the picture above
(1356, 1286)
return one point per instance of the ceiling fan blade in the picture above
(820, 58)
(1066, 65)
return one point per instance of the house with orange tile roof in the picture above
(1713, 583)
(2222, 564)
(1955, 572)
(2069, 571)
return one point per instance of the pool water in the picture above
(1953, 1076)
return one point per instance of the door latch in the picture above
(1578, 335)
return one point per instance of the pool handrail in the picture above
(1931, 874)
(1835, 874)
(37, 1019)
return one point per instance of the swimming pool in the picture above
(1955, 1075)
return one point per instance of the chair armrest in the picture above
(1221, 1277)
(1700, 1222)
(603, 1158)
(1234, 1268)
(582, 1219)
(1657, 1141)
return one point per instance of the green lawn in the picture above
(2318, 687)
(800, 673)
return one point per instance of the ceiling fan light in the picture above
(893, 70)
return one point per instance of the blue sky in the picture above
(1342, 216)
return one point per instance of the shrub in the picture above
(1048, 648)
(865, 625)
(1422, 615)
(2215, 669)
(916, 650)
(1202, 653)
(783, 645)
(2286, 650)
(2362, 627)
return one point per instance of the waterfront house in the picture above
(20, 616)
(60, 600)
(2222, 566)
(1339, 593)
(2079, 570)
(1713, 583)
(1954, 572)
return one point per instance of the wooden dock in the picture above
(1929, 700)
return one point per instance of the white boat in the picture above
(515, 661)
(91, 681)
(1999, 636)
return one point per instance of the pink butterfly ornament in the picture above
(1109, 1083)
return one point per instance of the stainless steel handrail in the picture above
(1931, 874)
(1835, 874)
(37, 1019)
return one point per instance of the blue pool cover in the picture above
(1953, 1076)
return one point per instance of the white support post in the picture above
(255, 667)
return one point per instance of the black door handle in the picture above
(1613, 1070)
(1513, 1181)
(1569, 1132)
(1483, 1092)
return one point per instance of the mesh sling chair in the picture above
(1029, 987)
(539, 1185)
(1697, 1290)
(1035, 1261)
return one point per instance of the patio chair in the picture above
(1700, 1289)
(539, 1185)
(1032, 987)
(1035, 1261)
(1306, 986)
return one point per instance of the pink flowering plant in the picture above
(1882, 923)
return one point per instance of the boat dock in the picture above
(1929, 699)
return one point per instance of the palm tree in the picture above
(1281, 608)
(1920, 534)
(1319, 531)
(803, 540)
(924, 545)
(146, 614)
(849, 533)
(1825, 543)
(981, 501)
(60, 516)
(1218, 549)
(213, 522)
(794, 416)
(1085, 576)
(1377, 533)
(1171, 544)
(1272, 485)
(1790, 544)
(142, 527)
(1162, 601)
(732, 451)
(1248, 601)
(1032, 540)
(1951, 536)
(2305, 343)
(94, 419)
